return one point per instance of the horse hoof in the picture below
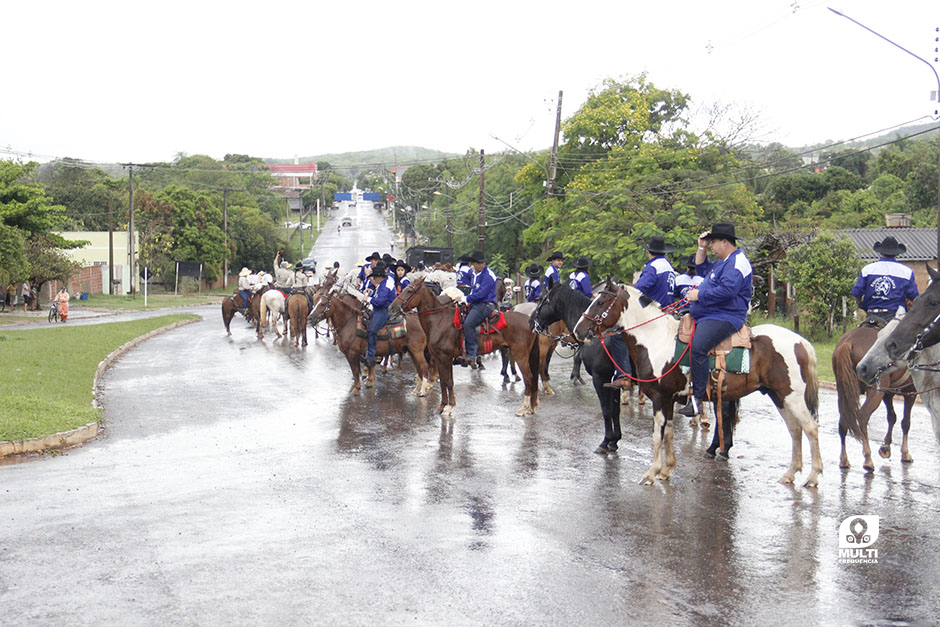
(721, 457)
(612, 447)
(907, 459)
(869, 469)
(885, 452)
(845, 465)
(601, 450)
(705, 424)
(709, 454)
(785, 479)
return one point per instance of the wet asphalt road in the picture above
(239, 482)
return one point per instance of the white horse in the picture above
(272, 301)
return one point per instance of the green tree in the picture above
(823, 271)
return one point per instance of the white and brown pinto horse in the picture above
(782, 365)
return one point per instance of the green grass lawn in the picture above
(46, 375)
(154, 301)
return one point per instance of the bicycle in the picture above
(54, 312)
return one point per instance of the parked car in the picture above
(347, 221)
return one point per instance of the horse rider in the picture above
(886, 286)
(656, 282)
(505, 304)
(383, 293)
(533, 285)
(579, 280)
(482, 300)
(553, 270)
(464, 274)
(402, 269)
(283, 277)
(244, 288)
(366, 269)
(658, 278)
(719, 303)
(300, 276)
(685, 282)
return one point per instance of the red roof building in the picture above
(294, 175)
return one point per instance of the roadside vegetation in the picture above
(47, 374)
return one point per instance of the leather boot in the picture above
(691, 408)
(621, 383)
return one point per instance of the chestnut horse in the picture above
(231, 305)
(782, 365)
(297, 310)
(854, 419)
(343, 311)
(437, 319)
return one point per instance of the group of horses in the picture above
(782, 363)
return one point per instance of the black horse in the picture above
(563, 303)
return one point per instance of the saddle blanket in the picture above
(394, 329)
(738, 361)
(492, 324)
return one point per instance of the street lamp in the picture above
(936, 76)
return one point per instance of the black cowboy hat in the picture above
(389, 260)
(658, 246)
(556, 255)
(379, 269)
(583, 263)
(889, 247)
(299, 266)
(722, 230)
(402, 264)
(374, 255)
(477, 257)
(690, 261)
(463, 258)
(533, 271)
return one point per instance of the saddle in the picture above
(733, 354)
(394, 329)
(494, 322)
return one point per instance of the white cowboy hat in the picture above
(244, 272)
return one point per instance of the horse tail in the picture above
(847, 389)
(811, 393)
(263, 317)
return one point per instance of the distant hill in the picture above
(387, 157)
(875, 141)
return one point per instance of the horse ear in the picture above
(934, 274)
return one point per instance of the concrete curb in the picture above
(80, 435)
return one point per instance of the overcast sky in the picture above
(134, 81)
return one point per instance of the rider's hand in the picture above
(692, 295)
(702, 242)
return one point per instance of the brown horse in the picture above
(343, 311)
(231, 305)
(297, 310)
(782, 365)
(854, 419)
(437, 319)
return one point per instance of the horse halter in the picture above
(414, 292)
(918, 344)
(597, 321)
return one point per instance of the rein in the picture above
(663, 375)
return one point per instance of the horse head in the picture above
(544, 313)
(603, 312)
(408, 294)
(877, 361)
(321, 308)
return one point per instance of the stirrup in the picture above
(691, 408)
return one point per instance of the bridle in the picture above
(565, 340)
(598, 320)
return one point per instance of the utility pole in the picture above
(110, 243)
(554, 166)
(225, 231)
(450, 235)
(130, 227)
(481, 222)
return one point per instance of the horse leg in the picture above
(669, 463)
(905, 427)
(543, 364)
(603, 397)
(576, 368)
(872, 400)
(843, 457)
(504, 358)
(659, 428)
(885, 449)
(353, 360)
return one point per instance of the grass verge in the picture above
(47, 374)
(154, 301)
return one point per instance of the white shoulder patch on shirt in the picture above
(661, 264)
(889, 268)
(742, 265)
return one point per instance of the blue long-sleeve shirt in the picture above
(385, 293)
(552, 276)
(579, 281)
(484, 287)
(657, 280)
(726, 292)
(533, 290)
(885, 284)
(464, 275)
